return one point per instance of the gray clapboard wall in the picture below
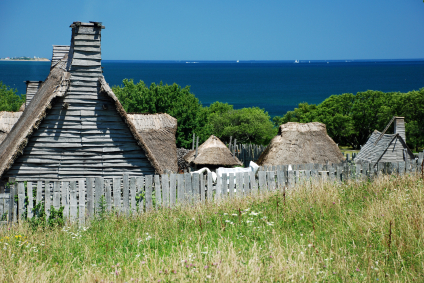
(31, 89)
(82, 134)
(128, 195)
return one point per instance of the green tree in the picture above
(9, 100)
(247, 125)
(178, 102)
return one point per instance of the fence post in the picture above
(224, 186)
(65, 199)
(90, 196)
(188, 189)
(47, 198)
(262, 181)
(117, 194)
(30, 195)
(108, 195)
(209, 192)
(133, 191)
(73, 201)
(148, 188)
(165, 190)
(202, 187)
(239, 184)
(271, 180)
(81, 202)
(158, 192)
(180, 184)
(21, 200)
(141, 192)
(246, 183)
(56, 194)
(99, 184)
(218, 188)
(231, 184)
(126, 193)
(172, 189)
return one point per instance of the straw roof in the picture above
(212, 152)
(7, 121)
(158, 132)
(298, 143)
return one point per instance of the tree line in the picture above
(350, 118)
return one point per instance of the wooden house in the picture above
(74, 126)
(382, 147)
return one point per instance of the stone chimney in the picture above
(58, 52)
(31, 89)
(400, 127)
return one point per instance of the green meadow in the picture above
(327, 232)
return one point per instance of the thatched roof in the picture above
(298, 143)
(212, 152)
(158, 132)
(7, 121)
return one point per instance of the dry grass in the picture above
(355, 232)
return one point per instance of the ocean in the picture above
(276, 86)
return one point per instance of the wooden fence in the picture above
(84, 198)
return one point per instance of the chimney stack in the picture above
(58, 52)
(85, 52)
(400, 127)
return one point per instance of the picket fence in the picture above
(84, 198)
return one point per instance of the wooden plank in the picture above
(117, 194)
(30, 195)
(21, 200)
(202, 187)
(246, 185)
(224, 186)
(180, 184)
(56, 194)
(133, 203)
(239, 184)
(158, 192)
(148, 188)
(218, 188)
(165, 190)
(90, 197)
(139, 181)
(358, 171)
(73, 205)
(209, 196)
(253, 183)
(195, 188)
(290, 179)
(81, 204)
(65, 199)
(339, 177)
(47, 198)
(172, 189)
(231, 185)
(262, 181)
(108, 195)
(126, 193)
(271, 180)
(39, 192)
(99, 189)
(280, 180)
(187, 195)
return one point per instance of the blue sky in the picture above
(221, 30)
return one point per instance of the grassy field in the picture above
(355, 232)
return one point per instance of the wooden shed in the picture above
(382, 147)
(75, 126)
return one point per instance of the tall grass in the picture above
(354, 232)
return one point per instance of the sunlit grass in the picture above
(355, 232)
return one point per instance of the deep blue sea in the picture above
(276, 86)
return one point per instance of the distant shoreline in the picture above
(33, 60)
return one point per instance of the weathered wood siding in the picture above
(58, 52)
(31, 89)
(400, 127)
(82, 134)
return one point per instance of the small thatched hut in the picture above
(158, 132)
(212, 154)
(298, 143)
(7, 121)
(382, 147)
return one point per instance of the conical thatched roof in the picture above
(212, 152)
(298, 143)
(158, 132)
